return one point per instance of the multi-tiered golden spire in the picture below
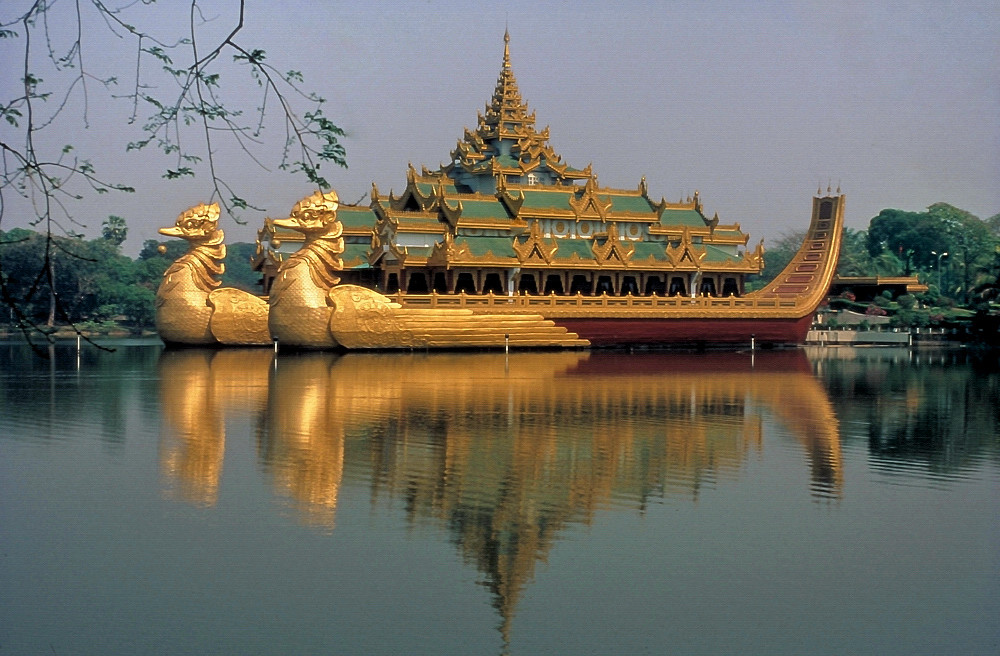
(507, 114)
(505, 140)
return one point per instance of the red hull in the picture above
(691, 332)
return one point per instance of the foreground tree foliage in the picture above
(169, 76)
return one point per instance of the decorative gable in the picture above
(535, 247)
(589, 203)
(613, 250)
(686, 254)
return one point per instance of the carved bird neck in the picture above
(203, 260)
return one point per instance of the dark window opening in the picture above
(465, 284)
(655, 286)
(604, 286)
(629, 286)
(493, 284)
(707, 287)
(580, 284)
(527, 284)
(417, 284)
(677, 287)
(392, 285)
(440, 283)
(730, 287)
(553, 285)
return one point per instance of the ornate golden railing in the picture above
(579, 301)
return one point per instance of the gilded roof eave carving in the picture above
(612, 247)
(534, 245)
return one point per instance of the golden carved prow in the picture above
(191, 308)
(300, 314)
(309, 309)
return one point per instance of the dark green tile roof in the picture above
(681, 218)
(355, 256)
(547, 199)
(643, 250)
(480, 246)
(630, 203)
(430, 188)
(483, 209)
(356, 217)
(715, 254)
(569, 247)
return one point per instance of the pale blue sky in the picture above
(752, 104)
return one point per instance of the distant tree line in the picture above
(95, 287)
(951, 250)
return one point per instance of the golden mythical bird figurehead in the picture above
(197, 224)
(315, 216)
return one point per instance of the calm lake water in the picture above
(837, 501)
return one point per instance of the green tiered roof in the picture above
(504, 189)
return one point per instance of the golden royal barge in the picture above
(505, 245)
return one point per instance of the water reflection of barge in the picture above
(506, 451)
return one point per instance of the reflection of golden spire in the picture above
(507, 480)
(191, 452)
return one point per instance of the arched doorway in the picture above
(527, 284)
(655, 286)
(730, 287)
(707, 287)
(440, 283)
(465, 284)
(416, 283)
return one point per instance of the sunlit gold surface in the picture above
(190, 307)
(299, 312)
(310, 310)
(796, 292)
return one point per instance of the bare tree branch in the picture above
(186, 122)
